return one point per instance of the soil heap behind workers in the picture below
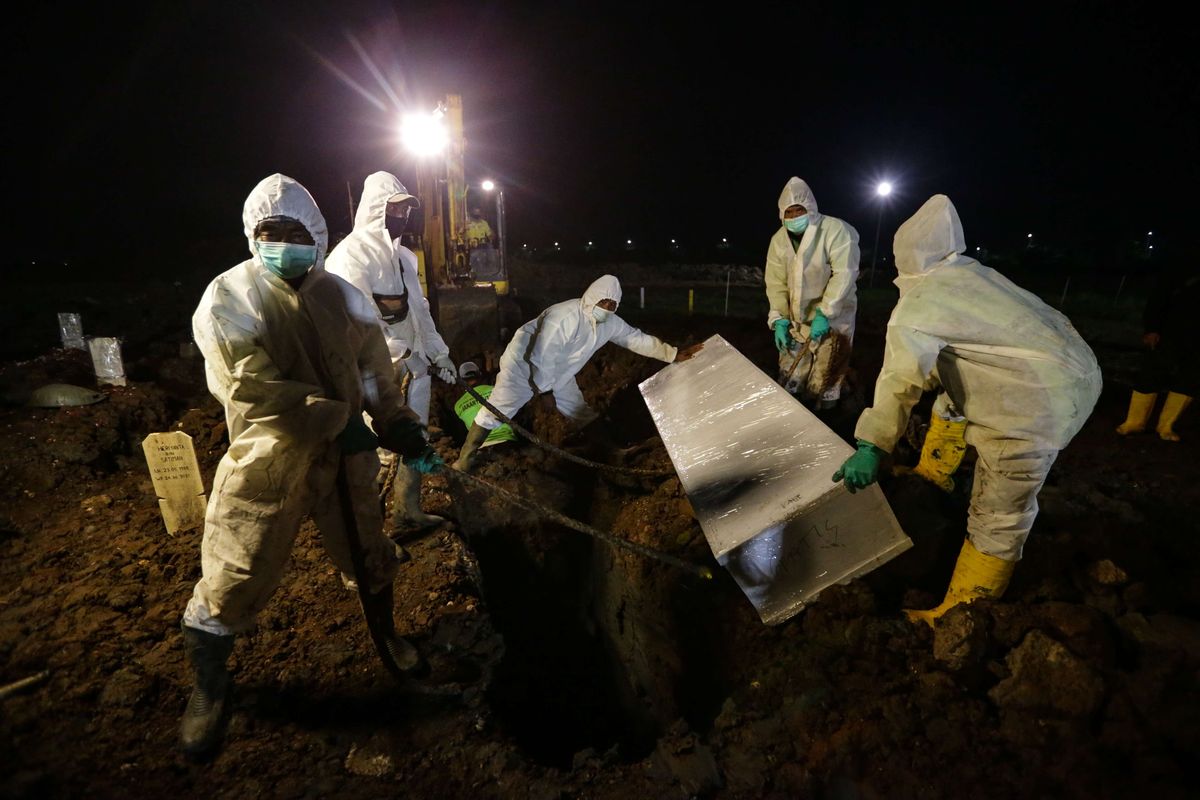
(812, 267)
(294, 354)
(1011, 365)
(372, 259)
(1171, 363)
(546, 353)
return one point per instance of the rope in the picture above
(695, 569)
(653, 473)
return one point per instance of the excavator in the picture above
(464, 276)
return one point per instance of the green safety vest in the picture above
(467, 407)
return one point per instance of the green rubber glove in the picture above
(783, 336)
(861, 469)
(356, 437)
(428, 463)
(820, 325)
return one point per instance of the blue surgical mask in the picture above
(796, 225)
(286, 259)
(601, 314)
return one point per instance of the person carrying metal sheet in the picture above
(295, 355)
(811, 274)
(1014, 367)
(372, 259)
(546, 353)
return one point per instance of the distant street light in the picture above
(487, 186)
(882, 191)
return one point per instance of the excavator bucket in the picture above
(468, 317)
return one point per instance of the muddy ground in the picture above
(564, 668)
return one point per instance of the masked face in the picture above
(604, 309)
(285, 259)
(796, 225)
(396, 223)
(285, 247)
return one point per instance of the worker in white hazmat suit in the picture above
(294, 354)
(1012, 366)
(372, 259)
(811, 274)
(546, 353)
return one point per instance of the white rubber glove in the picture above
(446, 369)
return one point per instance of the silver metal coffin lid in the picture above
(757, 468)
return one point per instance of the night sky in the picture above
(134, 132)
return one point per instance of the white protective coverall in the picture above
(290, 367)
(546, 353)
(375, 263)
(1012, 365)
(821, 273)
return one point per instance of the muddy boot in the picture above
(475, 438)
(941, 453)
(378, 609)
(975, 575)
(406, 507)
(203, 722)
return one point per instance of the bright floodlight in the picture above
(883, 189)
(488, 185)
(423, 134)
(1029, 236)
(629, 241)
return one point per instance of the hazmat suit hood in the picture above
(378, 189)
(931, 238)
(606, 287)
(369, 258)
(280, 196)
(797, 193)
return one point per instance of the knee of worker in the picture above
(570, 403)
(226, 602)
(487, 420)
(944, 407)
(508, 396)
(1001, 535)
(1003, 509)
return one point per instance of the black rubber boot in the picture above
(203, 723)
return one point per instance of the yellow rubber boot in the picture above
(1172, 409)
(1141, 406)
(942, 452)
(975, 575)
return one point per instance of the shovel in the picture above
(399, 656)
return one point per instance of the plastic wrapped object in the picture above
(70, 330)
(106, 358)
(757, 468)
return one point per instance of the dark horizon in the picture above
(137, 134)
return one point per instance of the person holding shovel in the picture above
(295, 355)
